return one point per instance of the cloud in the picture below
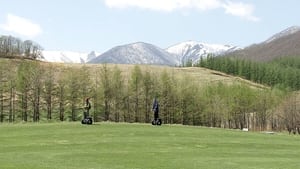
(239, 9)
(21, 26)
(164, 5)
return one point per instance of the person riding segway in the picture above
(86, 113)
(155, 108)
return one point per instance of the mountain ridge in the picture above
(146, 53)
(285, 32)
(284, 43)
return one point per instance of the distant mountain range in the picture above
(284, 43)
(143, 53)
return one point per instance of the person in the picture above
(87, 108)
(155, 108)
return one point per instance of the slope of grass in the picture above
(202, 76)
(120, 146)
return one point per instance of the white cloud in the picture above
(21, 26)
(239, 9)
(164, 5)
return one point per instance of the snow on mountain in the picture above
(137, 53)
(193, 51)
(286, 32)
(68, 56)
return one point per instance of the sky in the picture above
(99, 25)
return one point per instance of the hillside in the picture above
(200, 75)
(282, 44)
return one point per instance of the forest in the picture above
(34, 91)
(282, 72)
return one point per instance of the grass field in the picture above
(133, 146)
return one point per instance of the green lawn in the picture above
(133, 146)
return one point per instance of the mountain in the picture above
(193, 51)
(284, 43)
(286, 32)
(68, 56)
(137, 53)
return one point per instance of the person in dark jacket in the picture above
(87, 107)
(155, 109)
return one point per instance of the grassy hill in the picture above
(122, 146)
(200, 75)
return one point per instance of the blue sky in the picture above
(86, 25)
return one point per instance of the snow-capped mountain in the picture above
(68, 56)
(137, 53)
(286, 32)
(193, 51)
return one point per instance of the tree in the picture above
(117, 93)
(62, 92)
(73, 90)
(148, 86)
(49, 89)
(96, 94)
(105, 74)
(36, 88)
(215, 104)
(187, 101)
(23, 86)
(135, 85)
(3, 83)
(166, 96)
(32, 49)
(290, 112)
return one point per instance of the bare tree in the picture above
(105, 74)
(49, 89)
(290, 113)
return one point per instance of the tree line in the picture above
(11, 47)
(33, 91)
(282, 72)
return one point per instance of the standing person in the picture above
(155, 109)
(87, 108)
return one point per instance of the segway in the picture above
(156, 122)
(87, 119)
